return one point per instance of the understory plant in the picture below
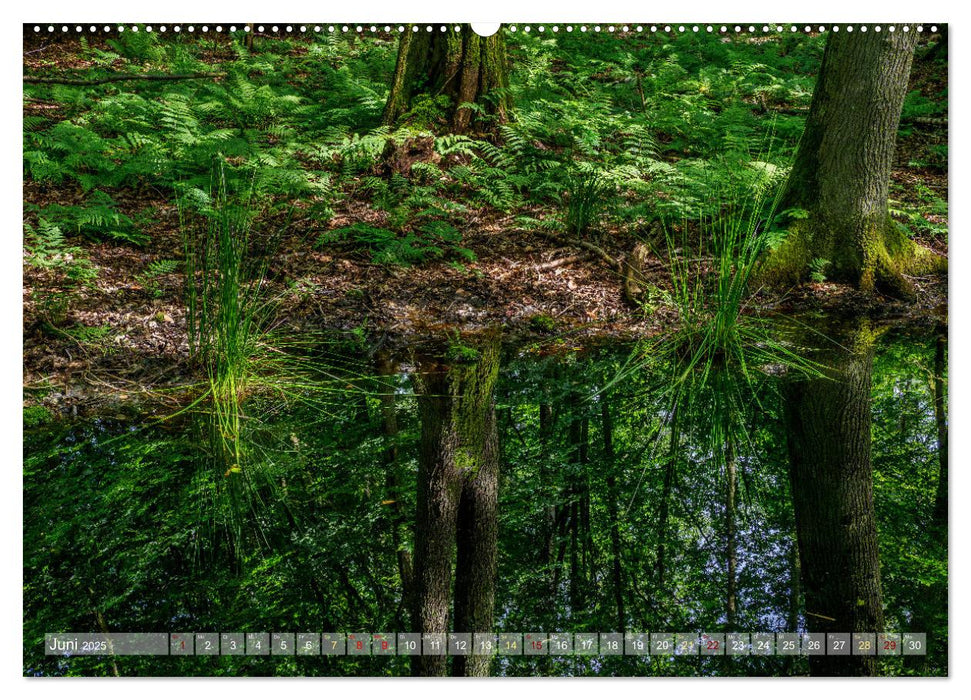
(720, 348)
(588, 198)
(254, 367)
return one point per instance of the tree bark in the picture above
(457, 447)
(478, 520)
(467, 68)
(841, 175)
(828, 434)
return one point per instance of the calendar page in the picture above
(554, 349)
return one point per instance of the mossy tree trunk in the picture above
(828, 433)
(478, 517)
(465, 67)
(841, 174)
(457, 502)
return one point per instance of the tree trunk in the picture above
(795, 587)
(588, 555)
(458, 446)
(462, 66)
(478, 520)
(545, 436)
(662, 529)
(579, 507)
(828, 434)
(841, 174)
(795, 594)
(939, 518)
(731, 547)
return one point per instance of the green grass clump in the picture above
(588, 198)
(227, 309)
(714, 360)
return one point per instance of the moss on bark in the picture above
(840, 178)
(876, 256)
(459, 65)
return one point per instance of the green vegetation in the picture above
(338, 332)
(659, 113)
(317, 549)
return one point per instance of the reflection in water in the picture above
(510, 491)
(827, 423)
(457, 501)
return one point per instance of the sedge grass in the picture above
(714, 365)
(256, 371)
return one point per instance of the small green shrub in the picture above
(588, 197)
(98, 219)
(35, 416)
(459, 352)
(542, 323)
(45, 247)
(817, 269)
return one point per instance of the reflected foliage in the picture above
(611, 516)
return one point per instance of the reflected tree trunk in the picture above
(795, 594)
(456, 500)
(478, 518)
(662, 529)
(613, 513)
(828, 423)
(579, 507)
(795, 587)
(545, 437)
(551, 513)
(939, 518)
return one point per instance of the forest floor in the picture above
(536, 290)
(125, 333)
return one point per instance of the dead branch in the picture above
(120, 78)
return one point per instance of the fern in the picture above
(98, 218)
(149, 280)
(45, 247)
